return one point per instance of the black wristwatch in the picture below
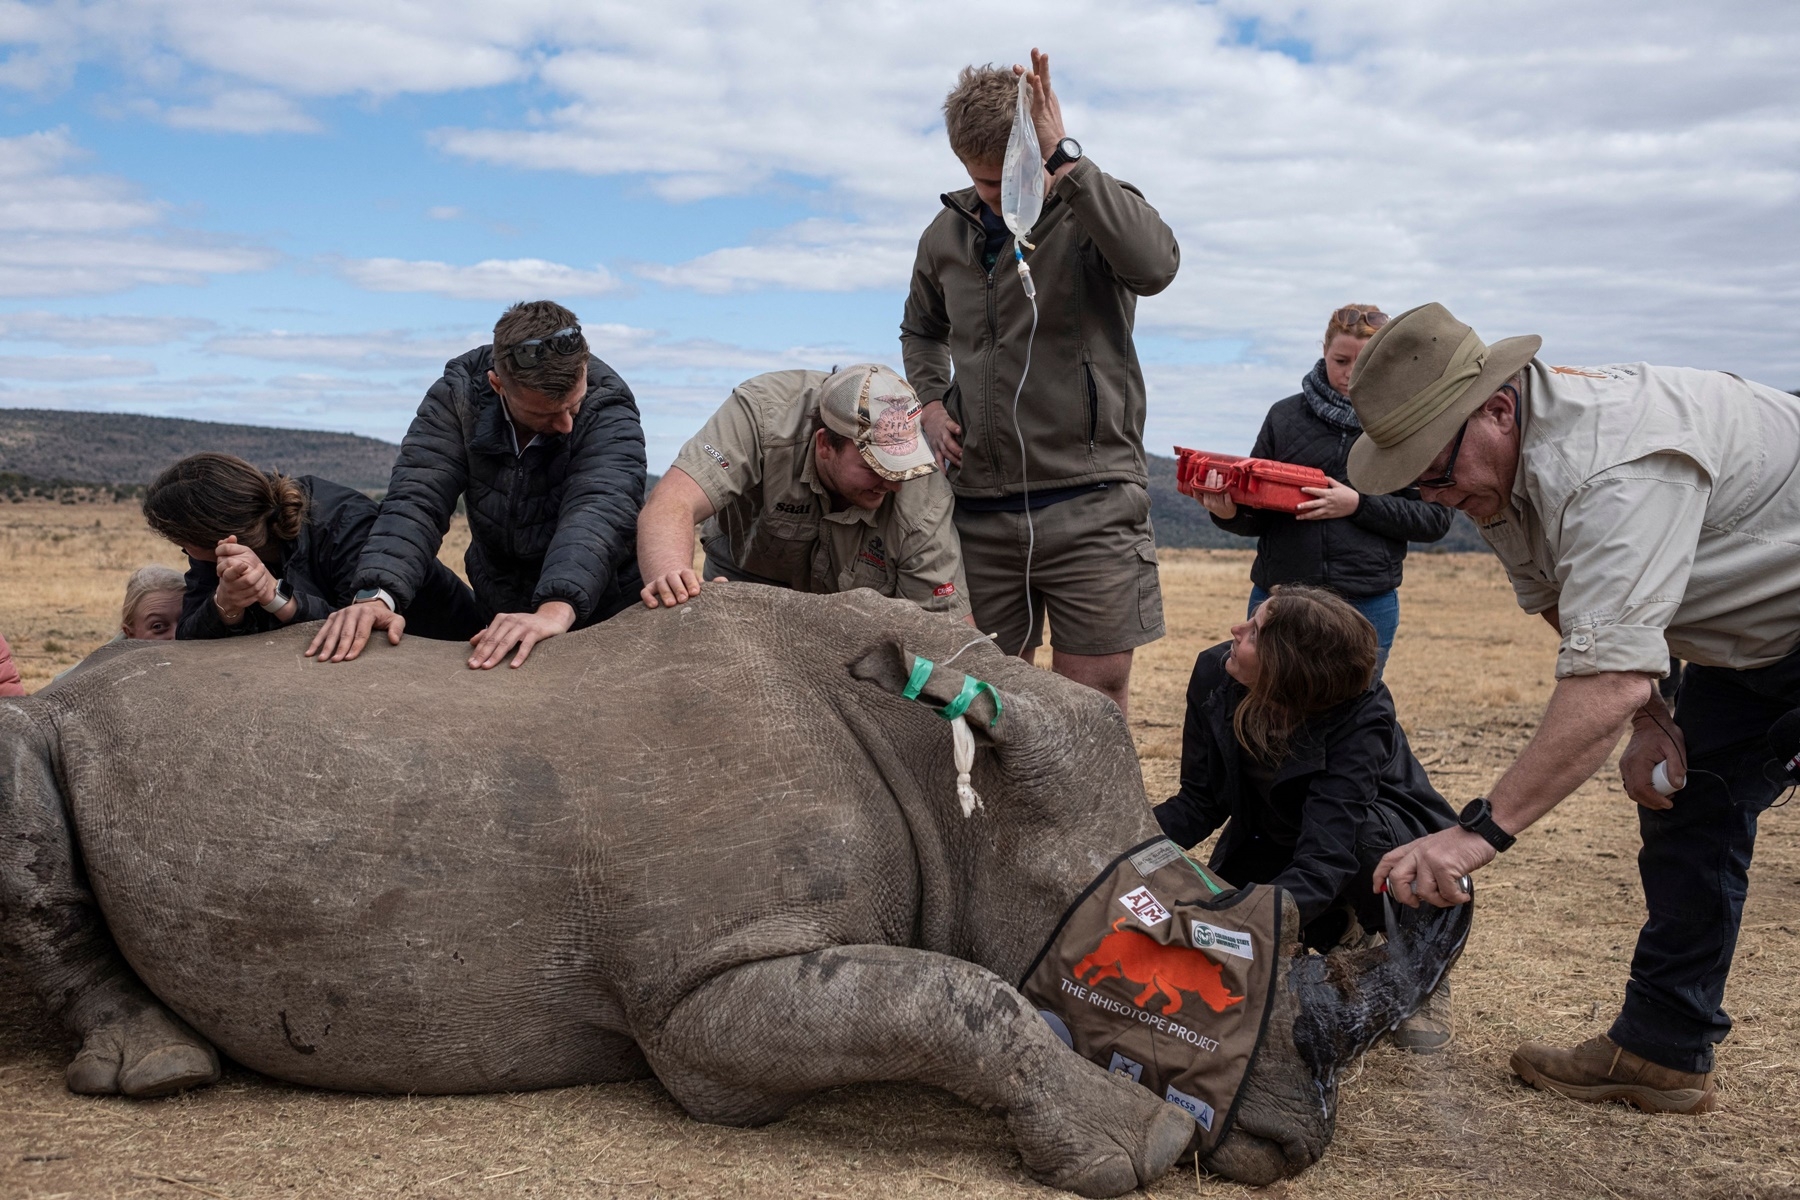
(1478, 818)
(1067, 151)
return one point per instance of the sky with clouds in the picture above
(293, 211)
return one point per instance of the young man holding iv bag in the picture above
(1051, 507)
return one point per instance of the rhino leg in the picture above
(50, 923)
(744, 1048)
(1283, 1121)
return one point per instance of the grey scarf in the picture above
(1327, 403)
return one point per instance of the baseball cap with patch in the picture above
(879, 411)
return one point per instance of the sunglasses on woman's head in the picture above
(1350, 318)
(564, 341)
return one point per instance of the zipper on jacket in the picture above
(1087, 369)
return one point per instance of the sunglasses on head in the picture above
(567, 340)
(1350, 318)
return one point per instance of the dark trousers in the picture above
(1695, 862)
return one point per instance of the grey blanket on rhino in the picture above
(713, 844)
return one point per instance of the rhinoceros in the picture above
(714, 844)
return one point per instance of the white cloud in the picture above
(377, 351)
(64, 234)
(443, 212)
(243, 110)
(97, 330)
(491, 279)
(70, 367)
(1621, 179)
(812, 256)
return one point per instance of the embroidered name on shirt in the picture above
(716, 456)
(798, 509)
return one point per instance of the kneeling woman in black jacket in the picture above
(266, 551)
(1291, 743)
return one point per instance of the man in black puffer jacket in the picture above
(544, 442)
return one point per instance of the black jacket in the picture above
(319, 567)
(558, 522)
(1349, 791)
(1356, 556)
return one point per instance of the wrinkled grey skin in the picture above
(712, 843)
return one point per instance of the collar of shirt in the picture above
(513, 431)
(850, 514)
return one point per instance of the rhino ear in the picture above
(889, 666)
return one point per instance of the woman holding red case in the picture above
(1340, 539)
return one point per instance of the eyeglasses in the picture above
(567, 340)
(1447, 479)
(1350, 318)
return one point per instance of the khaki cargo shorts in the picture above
(1093, 570)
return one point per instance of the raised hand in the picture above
(1046, 110)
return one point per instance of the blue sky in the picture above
(292, 213)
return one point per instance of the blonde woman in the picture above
(152, 607)
(1351, 543)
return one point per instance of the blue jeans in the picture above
(1383, 612)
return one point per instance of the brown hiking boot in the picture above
(1601, 1069)
(1428, 1030)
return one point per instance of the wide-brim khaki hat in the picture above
(1419, 378)
(873, 406)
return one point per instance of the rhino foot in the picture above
(1122, 1139)
(147, 1054)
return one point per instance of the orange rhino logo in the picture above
(1171, 970)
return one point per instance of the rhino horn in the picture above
(1348, 998)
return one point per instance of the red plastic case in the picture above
(1254, 482)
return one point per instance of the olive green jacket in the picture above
(1099, 247)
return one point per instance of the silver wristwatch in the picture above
(283, 596)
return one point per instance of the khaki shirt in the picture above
(1658, 509)
(773, 520)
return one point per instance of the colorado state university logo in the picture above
(1171, 970)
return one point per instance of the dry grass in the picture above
(1548, 960)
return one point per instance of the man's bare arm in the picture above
(1579, 729)
(666, 539)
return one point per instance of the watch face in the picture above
(1069, 147)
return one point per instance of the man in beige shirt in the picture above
(813, 482)
(1642, 511)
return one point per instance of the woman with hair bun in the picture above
(1292, 744)
(266, 550)
(1353, 544)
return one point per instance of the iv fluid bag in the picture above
(1022, 176)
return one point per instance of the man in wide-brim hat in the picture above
(1643, 511)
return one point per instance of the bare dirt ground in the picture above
(1556, 921)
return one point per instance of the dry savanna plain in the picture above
(1556, 919)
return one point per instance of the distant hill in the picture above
(1181, 522)
(97, 456)
(66, 448)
